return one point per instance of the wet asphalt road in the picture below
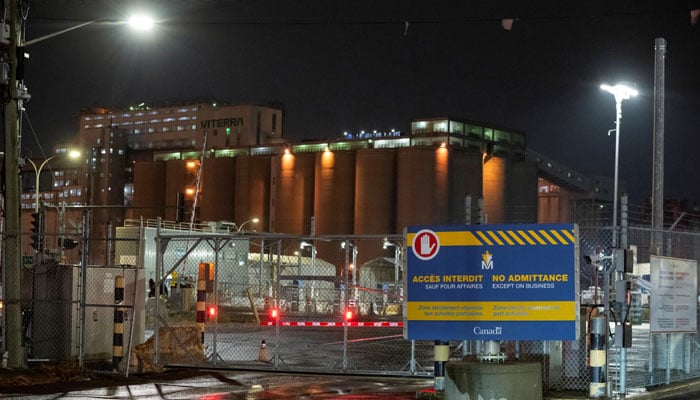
(249, 386)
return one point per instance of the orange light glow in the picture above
(287, 160)
(327, 159)
(192, 164)
(189, 191)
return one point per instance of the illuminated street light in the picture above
(239, 228)
(137, 22)
(37, 171)
(13, 19)
(621, 92)
(141, 22)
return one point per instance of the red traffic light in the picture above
(349, 315)
(274, 313)
(211, 311)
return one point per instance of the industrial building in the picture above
(206, 161)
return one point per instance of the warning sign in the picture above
(426, 244)
(492, 282)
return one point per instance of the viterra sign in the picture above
(492, 282)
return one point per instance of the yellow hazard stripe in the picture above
(527, 238)
(502, 238)
(506, 238)
(485, 238)
(491, 311)
(458, 238)
(517, 239)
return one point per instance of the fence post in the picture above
(118, 336)
(202, 298)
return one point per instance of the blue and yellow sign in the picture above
(492, 282)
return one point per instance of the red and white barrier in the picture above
(379, 324)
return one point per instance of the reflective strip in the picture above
(597, 389)
(597, 358)
(442, 352)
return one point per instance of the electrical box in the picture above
(624, 261)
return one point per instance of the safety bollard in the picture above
(598, 386)
(202, 298)
(262, 354)
(118, 334)
(442, 355)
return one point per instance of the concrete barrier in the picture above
(468, 380)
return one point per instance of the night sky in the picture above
(351, 65)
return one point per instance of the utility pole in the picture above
(12, 112)
(657, 197)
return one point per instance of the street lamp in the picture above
(353, 265)
(397, 253)
(304, 245)
(137, 22)
(13, 18)
(37, 171)
(621, 92)
(239, 228)
(311, 295)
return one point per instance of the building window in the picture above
(440, 126)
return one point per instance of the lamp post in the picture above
(16, 95)
(304, 245)
(37, 171)
(397, 254)
(621, 92)
(239, 228)
(310, 296)
(353, 265)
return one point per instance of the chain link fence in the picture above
(210, 294)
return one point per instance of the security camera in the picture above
(592, 259)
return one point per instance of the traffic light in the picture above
(211, 311)
(274, 314)
(349, 315)
(38, 228)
